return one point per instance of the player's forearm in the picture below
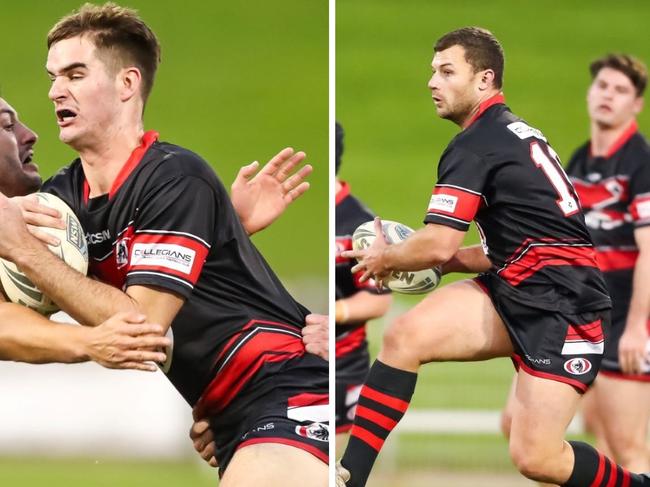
(470, 260)
(639, 311)
(88, 301)
(424, 249)
(26, 336)
(362, 306)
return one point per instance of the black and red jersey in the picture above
(168, 222)
(350, 213)
(502, 173)
(614, 192)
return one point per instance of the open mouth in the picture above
(28, 158)
(65, 115)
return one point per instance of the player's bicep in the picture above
(642, 238)
(160, 305)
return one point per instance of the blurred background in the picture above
(392, 145)
(238, 82)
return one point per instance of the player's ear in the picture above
(638, 105)
(129, 80)
(487, 79)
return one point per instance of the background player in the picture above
(356, 303)
(122, 341)
(201, 273)
(539, 289)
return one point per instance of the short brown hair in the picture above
(482, 50)
(118, 33)
(630, 66)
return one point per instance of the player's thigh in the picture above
(624, 408)
(541, 412)
(506, 414)
(455, 322)
(274, 465)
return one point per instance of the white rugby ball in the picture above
(406, 282)
(72, 249)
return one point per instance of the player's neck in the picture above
(468, 118)
(103, 161)
(604, 137)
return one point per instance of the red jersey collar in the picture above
(342, 193)
(148, 138)
(493, 100)
(621, 141)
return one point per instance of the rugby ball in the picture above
(72, 249)
(406, 282)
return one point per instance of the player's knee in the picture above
(398, 336)
(532, 463)
(629, 450)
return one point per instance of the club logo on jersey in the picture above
(314, 431)
(171, 256)
(122, 252)
(577, 366)
(524, 131)
(443, 202)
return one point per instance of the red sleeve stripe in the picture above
(177, 255)
(385, 399)
(456, 202)
(375, 417)
(371, 439)
(350, 341)
(640, 208)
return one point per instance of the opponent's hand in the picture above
(315, 335)
(371, 260)
(203, 440)
(13, 229)
(632, 347)
(125, 341)
(261, 197)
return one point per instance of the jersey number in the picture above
(556, 176)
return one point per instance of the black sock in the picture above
(593, 469)
(383, 401)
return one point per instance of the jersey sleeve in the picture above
(458, 194)
(639, 206)
(172, 235)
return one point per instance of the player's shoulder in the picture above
(66, 182)
(166, 163)
(639, 148)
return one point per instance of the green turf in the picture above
(92, 473)
(238, 82)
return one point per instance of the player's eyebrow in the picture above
(8, 111)
(441, 66)
(69, 67)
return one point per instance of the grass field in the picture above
(394, 139)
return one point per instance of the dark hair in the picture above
(118, 33)
(482, 49)
(339, 145)
(630, 66)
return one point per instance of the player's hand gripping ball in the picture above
(406, 282)
(72, 249)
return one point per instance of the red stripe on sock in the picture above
(367, 437)
(613, 475)
(377, 418)
(600, 473)
(385, 399)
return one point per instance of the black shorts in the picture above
(294, 412)
(555, 345)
